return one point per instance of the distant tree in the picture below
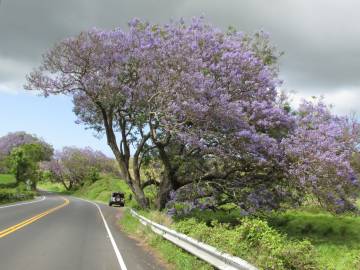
(74, 166)
(24, 162)
(15, 139)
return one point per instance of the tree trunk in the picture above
(67, 187)
(140, 197)
(168, 181)
(122, 158)
(33, 185)
(17, 176)
(165, 187)
(135, 187)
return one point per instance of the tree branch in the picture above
(149, 183)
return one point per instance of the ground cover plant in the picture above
(335, 237)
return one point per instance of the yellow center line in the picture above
(31, 220)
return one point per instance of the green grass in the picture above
(7, 179)
(172, 254)
(52, 187)
(336, 238)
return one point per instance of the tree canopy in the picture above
(15, 139)
(204, 106)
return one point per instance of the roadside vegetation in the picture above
(295, 239)
(20, 157)
(335, 237)
(11, 192)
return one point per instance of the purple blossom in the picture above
(208, 91)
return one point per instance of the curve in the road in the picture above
(26, 222)
(77, 237)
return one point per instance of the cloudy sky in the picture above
(321, 41)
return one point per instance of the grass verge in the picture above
(52, 187)
(170, 253)
(336, 237)
(7, 179)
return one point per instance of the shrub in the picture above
(10, 195)
(254, 241)
(230, 216)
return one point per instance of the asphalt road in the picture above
(66, 233)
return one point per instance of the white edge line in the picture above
(17, 204)
(115, 247)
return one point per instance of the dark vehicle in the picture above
(117, 198)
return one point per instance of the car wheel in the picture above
(110, 204)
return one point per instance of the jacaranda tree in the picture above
(201, 102)
(318, 155)
(73, 166)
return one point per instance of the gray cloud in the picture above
(321, 39)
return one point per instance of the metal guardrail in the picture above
(211, 255)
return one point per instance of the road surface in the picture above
(66, 233)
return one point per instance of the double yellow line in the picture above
(31, 220)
